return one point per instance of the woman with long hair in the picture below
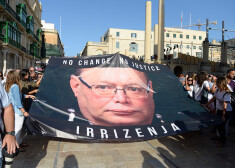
(201, 87)
(189, 85)
(12, 86)
(223, 107)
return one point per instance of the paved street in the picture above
(190, 150)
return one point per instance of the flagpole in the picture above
(189, 21)
(181, 20)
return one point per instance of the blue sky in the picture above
(88, 20)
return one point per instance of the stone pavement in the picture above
(190, 150)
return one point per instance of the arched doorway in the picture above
(178, 70)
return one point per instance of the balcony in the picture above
(12, 12)
(8, 40)
(14, 43)
(33, 36)
(35, 50)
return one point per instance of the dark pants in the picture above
(221, 127)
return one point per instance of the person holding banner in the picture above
(114, 96)
(12, 86)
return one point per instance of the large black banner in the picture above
(114, 98)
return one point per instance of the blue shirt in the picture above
(4, 102)
(16, 98)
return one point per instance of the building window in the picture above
(134, 47)
(167, 35)
(188, 47)
(11, 34)
(200, 37)
(200, 47)
(22, 13)
(117, 34)
(181, 35)
(117, 44)
(187, 36)
(30, 25)
(174, 35)
(175, 54)
(133, 35)
(194, 47)
(167, 45)
(199, 54)
(194, 37)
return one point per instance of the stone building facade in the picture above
(20, 33)
(131, 43)
(51, 42)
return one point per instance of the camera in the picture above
(6, 154)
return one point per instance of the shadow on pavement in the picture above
(197, 149)
(36, 151)
(71, 162)
(150, 161)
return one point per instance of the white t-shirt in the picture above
(190, 92)
(199, 90)
(210, 95)
(222, 97)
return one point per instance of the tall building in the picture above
(131, 42)
(51, 42)
(20, 33)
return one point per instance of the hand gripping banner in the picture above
(113, 97)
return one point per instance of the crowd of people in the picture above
(216, 94)
(18, 88)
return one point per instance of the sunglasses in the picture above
(190, 80)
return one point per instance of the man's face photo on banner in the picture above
(114, 96)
